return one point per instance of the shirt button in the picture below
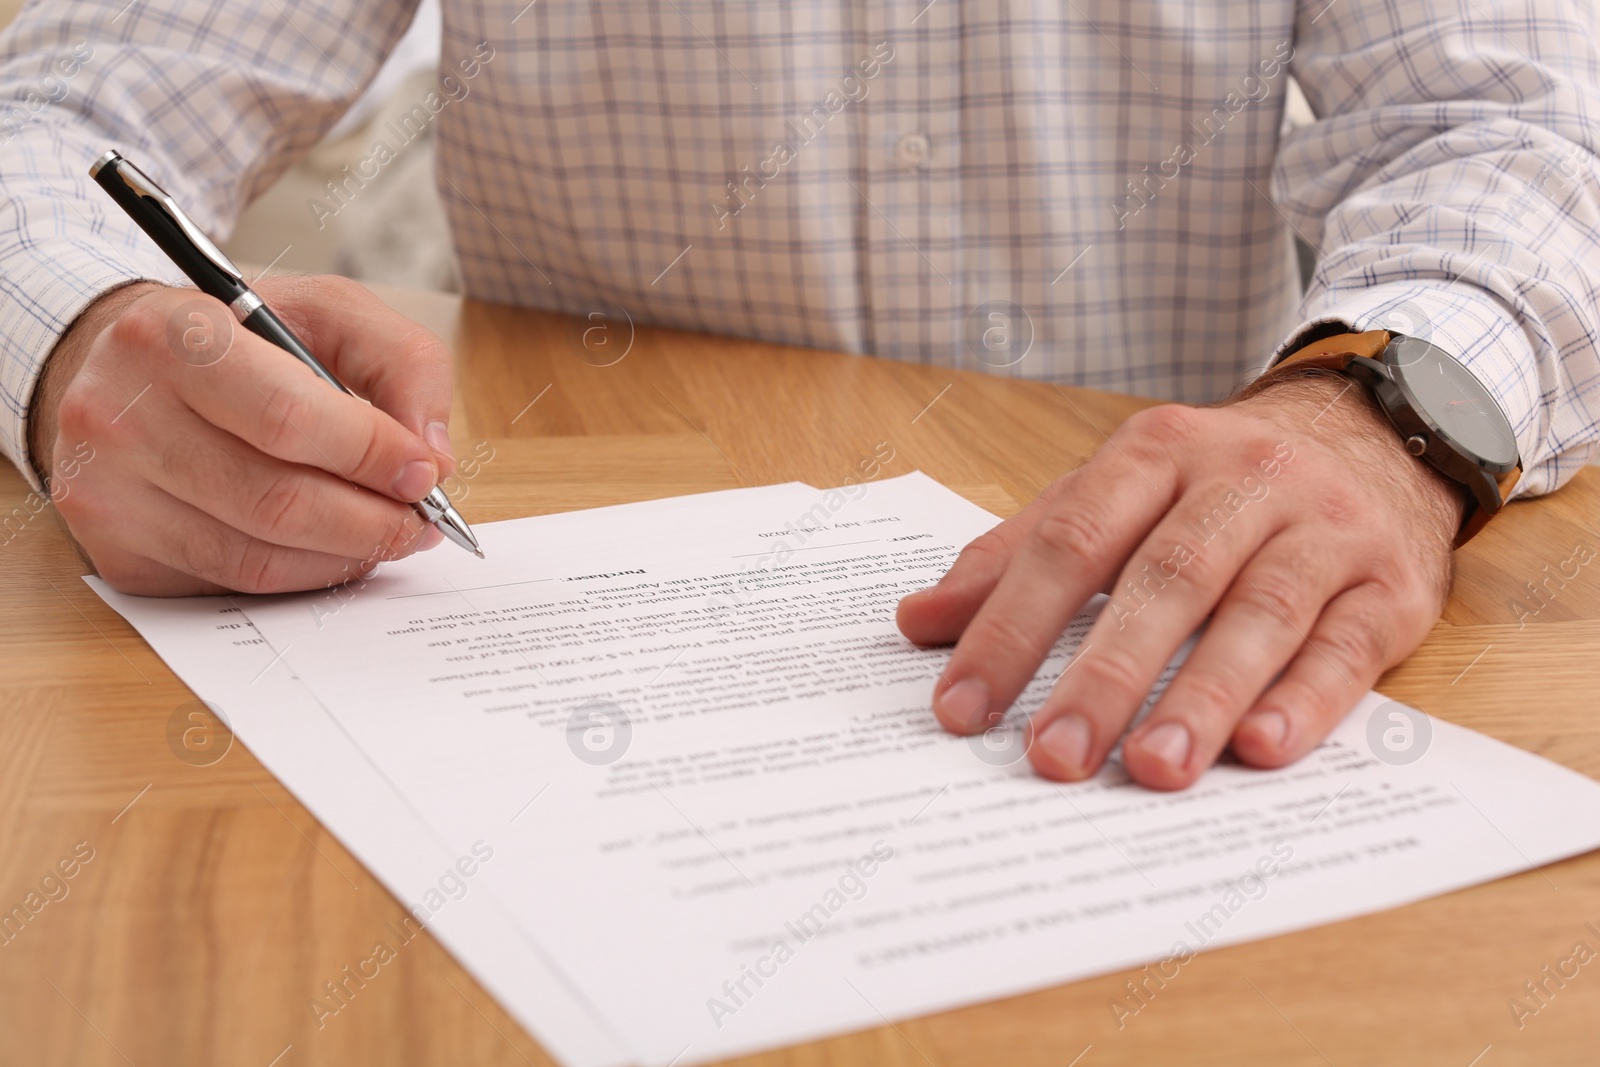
(912, 151)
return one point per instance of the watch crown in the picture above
(1416, 444)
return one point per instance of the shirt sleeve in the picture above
(1451, 190)
(213, 98)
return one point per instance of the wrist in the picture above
(63, 364)
(1344, 414)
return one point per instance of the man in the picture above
(1105, 180)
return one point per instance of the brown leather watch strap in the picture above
(1477, 517)
(1330, 353)
(1335, 353)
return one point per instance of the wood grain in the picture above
(215, 906)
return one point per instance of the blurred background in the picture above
(395, 231)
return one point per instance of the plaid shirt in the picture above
(1097, 192)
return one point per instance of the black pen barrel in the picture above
(264, 324)
(178, 246)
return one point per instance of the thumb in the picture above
(399, 365)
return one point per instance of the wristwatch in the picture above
(1442, 412)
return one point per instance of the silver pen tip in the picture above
(437, 510)
(455, 529)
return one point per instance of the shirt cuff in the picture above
(1481, 333)
(45, 289)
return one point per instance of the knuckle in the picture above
(116, 573)
(1420, 599)
(341, 288)
(258, 567)
(391, 536)
(285, 411)
(1203, 570)
(80, 413)
(403, 536)
(395, 539)
(1391, 574)
(281, 508)
(1074, 532)
(184, 463)
(423, 348)
(1432, 580)
(1301, 700)
(142, 327)
(123, 571)
(1111, 673)
(1209, 573)
(1160, 430)
(300, 289)
(1416, 584)
(204, 556)
(999, 631)
(1056, 490)
(1210, 694)
(81, 508)
(1359, 639)
(1262, 453)
(379, 453)
(1272, 594)
(987, 547)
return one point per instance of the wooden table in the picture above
(214, 905)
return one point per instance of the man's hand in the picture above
(198, 458)
(1294, 520)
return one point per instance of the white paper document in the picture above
(708, 809)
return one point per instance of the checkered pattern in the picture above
(1093, 191)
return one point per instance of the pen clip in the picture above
(143, 185)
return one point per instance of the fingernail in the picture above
(1067, 742)
(965, 704)
(437, 434)
(1270, 726)
(415, 480)
(1168, 743)
(431, 538)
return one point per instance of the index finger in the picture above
(939, 614)
(398, 364)
(1074, 548)
(271, 401)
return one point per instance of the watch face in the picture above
(1451, 398)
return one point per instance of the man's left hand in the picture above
(1293, 520)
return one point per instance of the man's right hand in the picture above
(220, 462)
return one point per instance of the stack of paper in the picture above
(664, 778)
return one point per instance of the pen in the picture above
(214, 273)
